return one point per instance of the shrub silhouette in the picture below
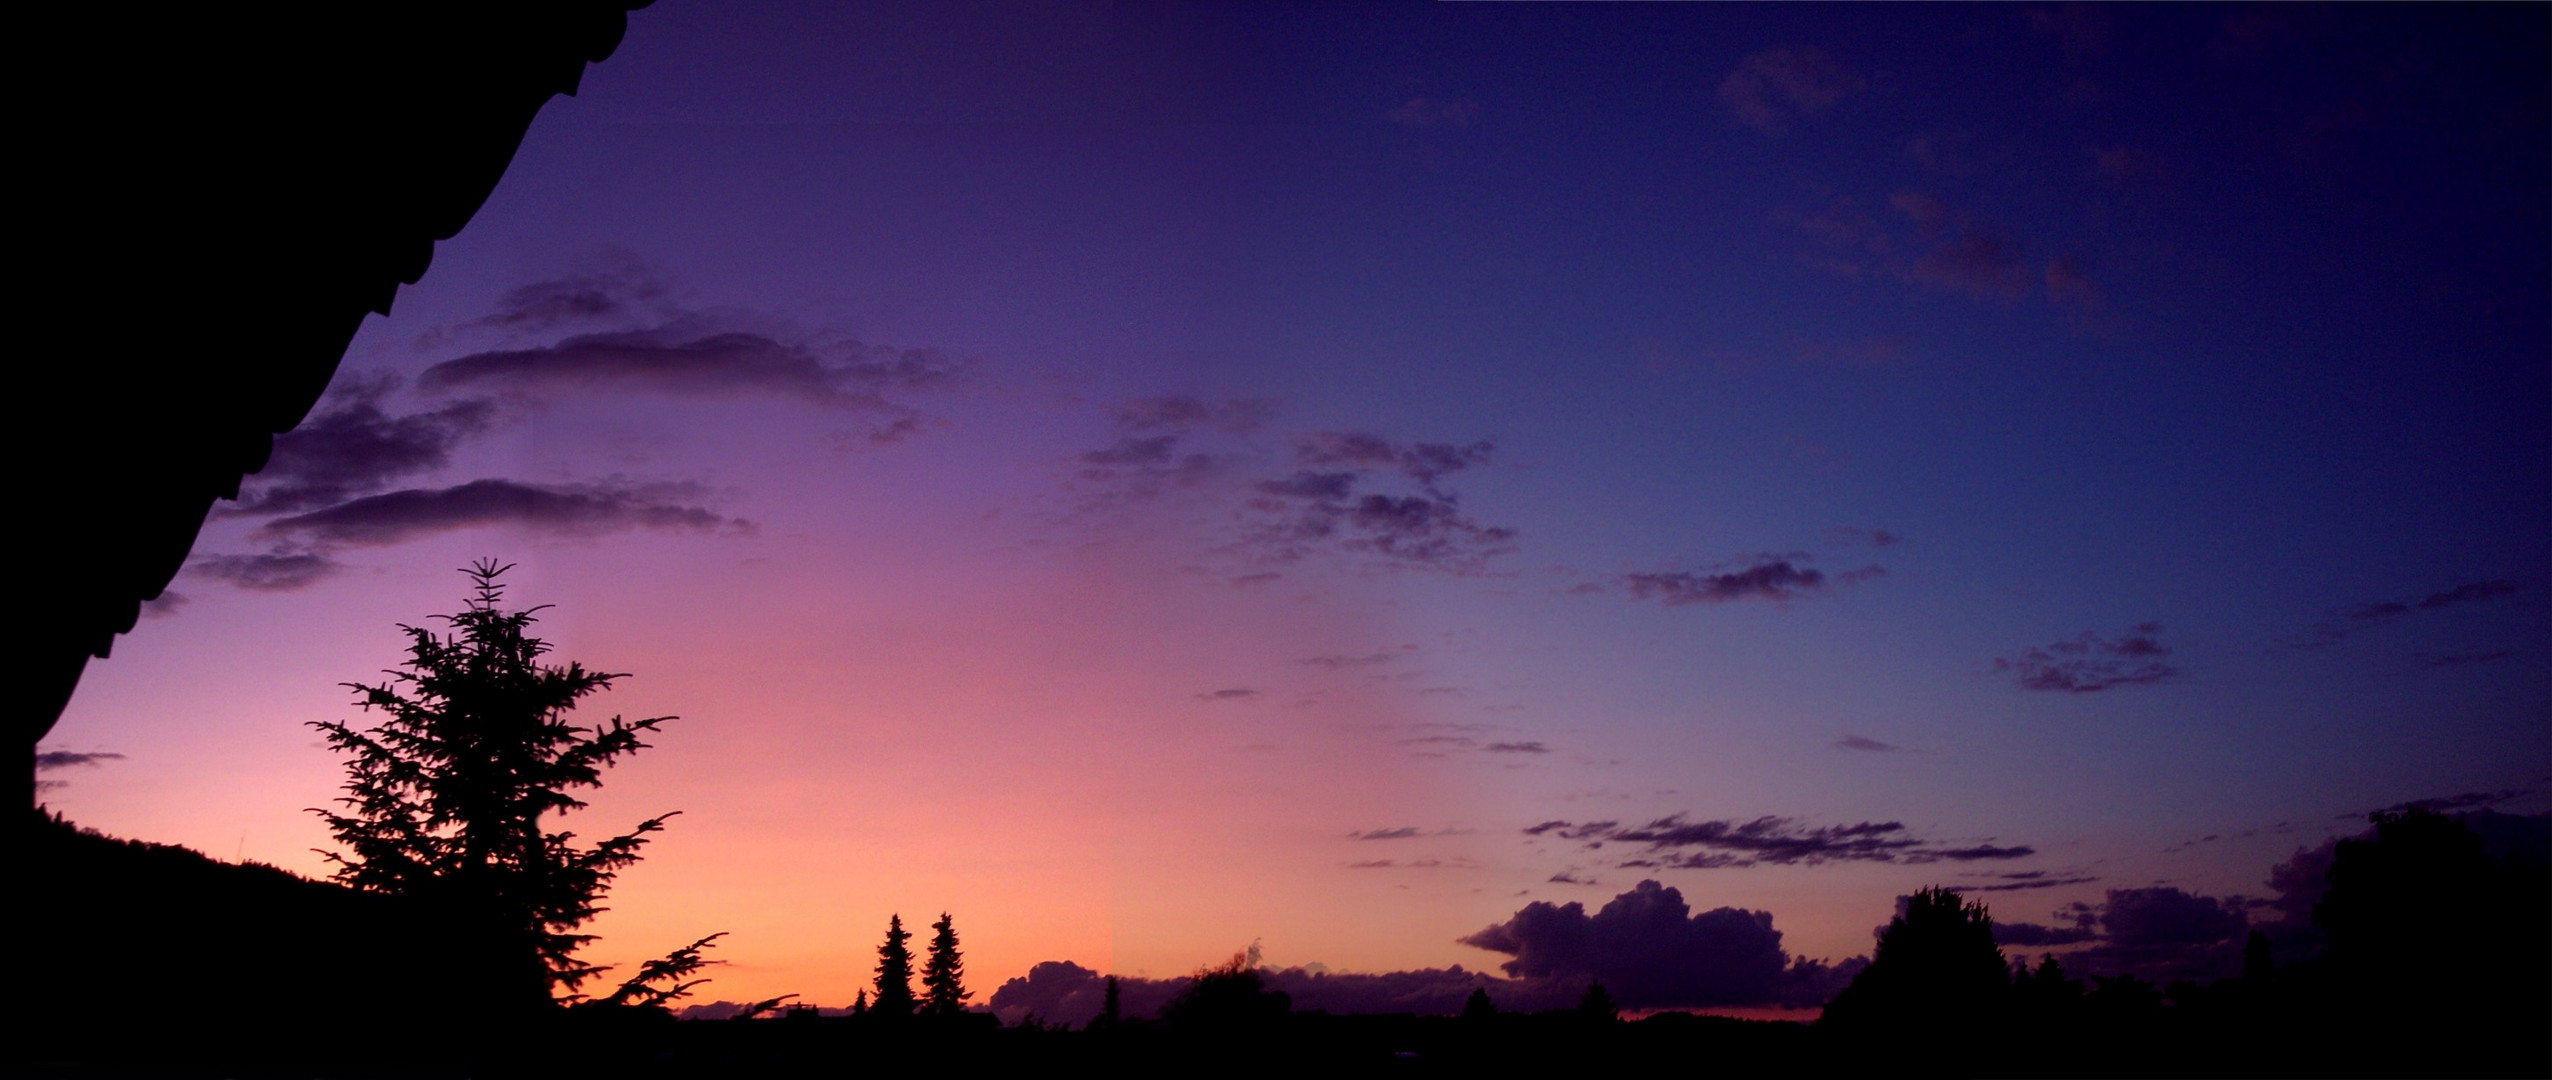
(446, 797)
(1227, 998)
(1936, 981)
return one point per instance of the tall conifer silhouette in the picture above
(447, 796)
(944, 974)
(894, 971)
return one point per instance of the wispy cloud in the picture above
(2090, 663)
(1235, 693)
(1773, 89)
(1403, 832)
(573, 510)
(1923, 240)
(1777, 581)
(2339, 625)
(282, 570)
(1365, 660)
(1421, 112)
(353, 446)
(1856, 742)
(1676, 842)
(50, 760)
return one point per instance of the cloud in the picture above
(1239, 416)
(1341, 663)
(576, 510)
(2082, 29)
(2435, 661)
(164, 605)
(2066, 284)
(282, 570)
(1772, 89)
(1673, 842)
(1855, 742)
(1849, 536)
(2159, 933)
(1319, 505)
(1778, 581)
(2339, 625)
(1650, 949)
(1964, 253)
(1155, 450)
(1516, 748)
(2448, 804)
(50, 760)
(1235, 693)
(1421, 112)
(2091, 663)
(354, 447)
(1062, 992)
(1402, 833)
(2040, 936)
(1423, 462)
(1942, 247)
(680, 360)
(2030, 880)
(624, 291)
(1341, 493)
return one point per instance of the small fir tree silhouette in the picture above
(448, 795)
(894, 971)
(943, 974)
(1598, 1003)
(1478, 1008)
(1111, 1006)
(859, 1005)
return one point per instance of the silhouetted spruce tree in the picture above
(944, 990)
(1477, 1008)
(894, 971)
(448, 794)
(1598, 1004)
(1111, 1008)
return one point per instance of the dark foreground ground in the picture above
(148, 960)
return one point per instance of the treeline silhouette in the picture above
(450, 935)
(2438, 965)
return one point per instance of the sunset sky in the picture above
(1149, 479)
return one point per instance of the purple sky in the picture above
(1148, 479)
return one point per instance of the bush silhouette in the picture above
(1226, 998)
(1936, 981)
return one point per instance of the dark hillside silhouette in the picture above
(150, 952)
(230, 188)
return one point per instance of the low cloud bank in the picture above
(1647, 947)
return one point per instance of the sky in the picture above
(1147, 480)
